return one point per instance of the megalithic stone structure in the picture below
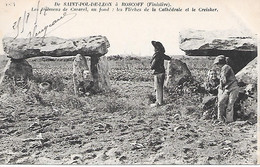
(239, 46)
(92, 46)
(22, 48)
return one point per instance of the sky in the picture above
(130, 33)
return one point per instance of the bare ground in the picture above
(117, 127)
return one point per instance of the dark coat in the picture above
(157, 62)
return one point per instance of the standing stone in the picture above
(248, 101)
(100, 73)
(80, 68)
(249, 73)
(19, 70)
(103, 71)
(3, 69)
(176, 73)
(94, 72)
(91, 80)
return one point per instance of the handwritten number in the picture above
(10, 4)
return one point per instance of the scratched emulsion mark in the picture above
(34, 30)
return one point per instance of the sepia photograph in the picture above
(129, 82)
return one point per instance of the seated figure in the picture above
(212, 82)
(82, 78)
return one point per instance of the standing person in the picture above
(228, 90)
(157, 65)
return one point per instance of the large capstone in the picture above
(176, 73)
(240, 47)
(22, 48)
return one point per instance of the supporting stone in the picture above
(80, 77)
(100, 73)
(103, 71)
(94, 72)
(19, 70)
(3, 71)
(248, 74)
(176, 73)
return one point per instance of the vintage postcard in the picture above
(129, 82)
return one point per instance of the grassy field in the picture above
(116, 127)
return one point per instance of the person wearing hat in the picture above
(157, 65)
(228, 90)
